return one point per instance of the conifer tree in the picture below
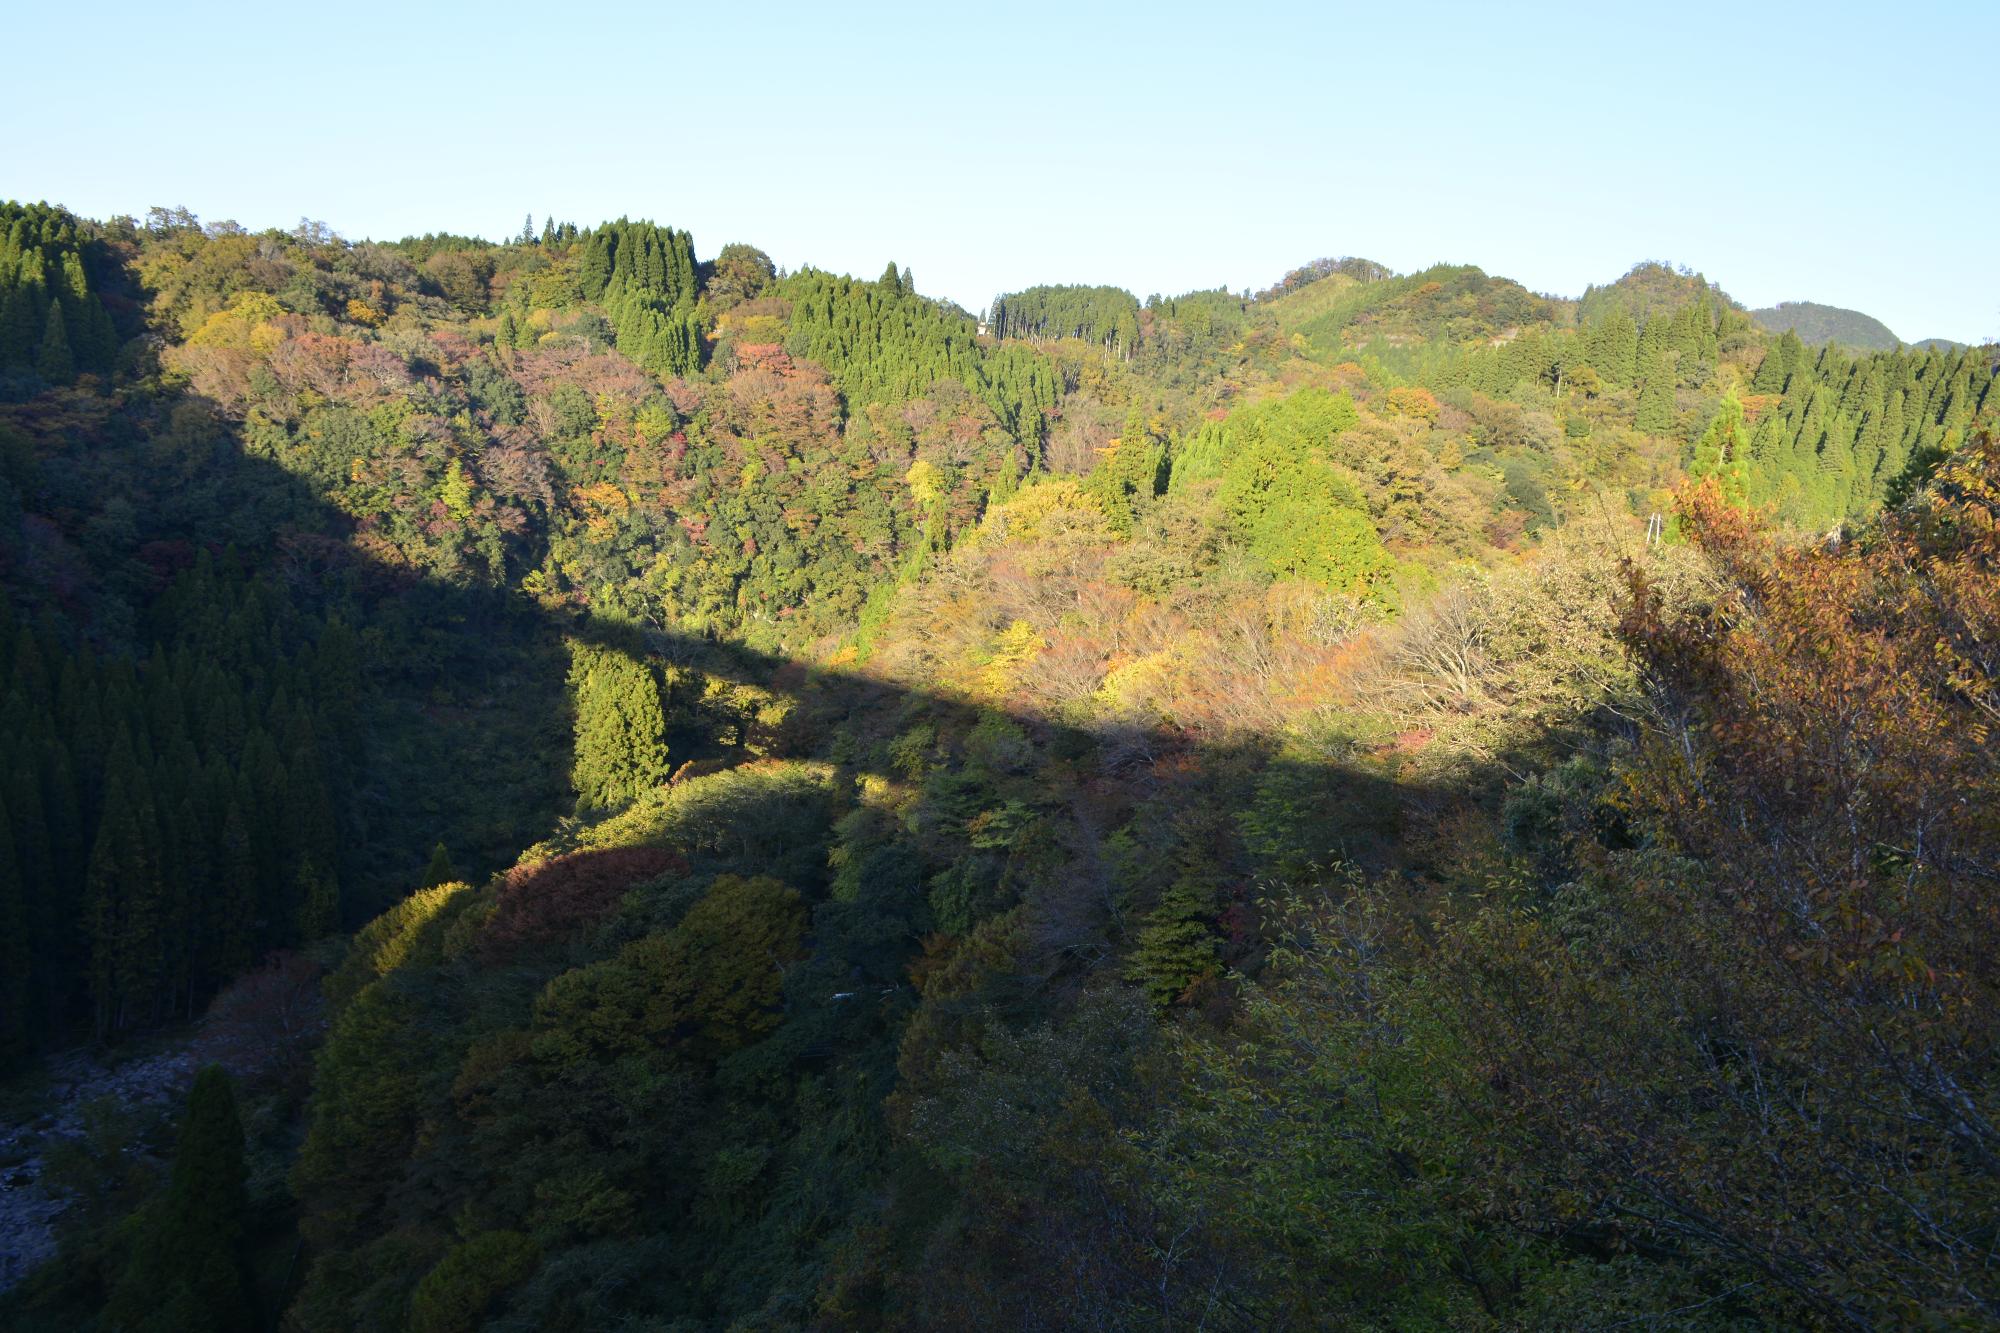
(187, 1272)
(440, 869)
(1177, 944)
(31, 675)
(1656, 396)
(318, 902)
(233, 908)
(1835, 477)
(1895, 443)
(595, 269)
(194, 869)
(87, 343)
(1619, 354)
(53, 361)
(683, 274)
(621, 728)
(26, 312)
(124, 899)
(16, 324)
(655, 265)
(35, 843)
(1721, 450)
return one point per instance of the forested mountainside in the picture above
(683, 795)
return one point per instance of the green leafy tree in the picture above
(740, 273)
(456, 491)
(1302, 516)
(455, 1296)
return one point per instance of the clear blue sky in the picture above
(1832, 152)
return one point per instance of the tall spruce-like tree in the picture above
(1721, 450)
(54, 361)
(318, 898)
(1655, 415)
(125, 900)
(1617, 355)
(621, 728)
(439, 870)
(1177, 945)
(187, 1272)
(18, 323)
(231, 931)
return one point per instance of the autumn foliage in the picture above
(1215, 812)
(546, 900)
(1776, 1045)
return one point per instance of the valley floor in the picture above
(77, 1096)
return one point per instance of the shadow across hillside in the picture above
(466, 704)
(464, 737)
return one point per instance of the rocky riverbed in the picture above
(260, 1029)
(71, 1083)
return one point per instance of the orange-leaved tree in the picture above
(1768, 1038)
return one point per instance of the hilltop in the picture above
(1648, 288)
(1815, 323)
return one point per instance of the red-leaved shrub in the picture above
(540, 902)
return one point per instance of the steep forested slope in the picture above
(1211, 809)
